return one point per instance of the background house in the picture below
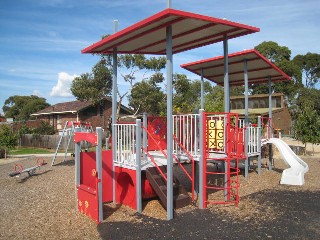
(259, 106)
(98, 115)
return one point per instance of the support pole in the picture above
(226, 76)
(270, 123)
(114, 113)
(138, 166)
(259, 144)
(99, 172)
(144, 135)
(202, 91)
(77, 166)
(168, 3)
(201, 160)
(246, 119)
(169, 124)
(226, 105)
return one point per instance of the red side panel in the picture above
(88, 169)
(157, 126)
(87, 202)
(125, 187)
(107, 185)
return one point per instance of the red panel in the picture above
(107, 185)
(88, 169)
(126, 190)
(125, 187)
(157, 126)
(87, 202)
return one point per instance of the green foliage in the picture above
(307, 116)
(147, 97)
(7, 139)
(309, 65)
(280, 56)
(45, 129)
(214, 100)
(93, 86)
(20, 107)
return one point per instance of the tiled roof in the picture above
(74, 106)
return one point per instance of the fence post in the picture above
(259, 144)
(201, 159)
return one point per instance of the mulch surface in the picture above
(43, 207)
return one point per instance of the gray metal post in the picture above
(226, 102)
(145, 135)
(168, 3)
(77, 165)
(202, 91)
(138, 166)
(202, 159)
(259, 144)
(246, 120)
(270, 122)
(114, 112)
(226, 76)
(99, 171)
(169, 124)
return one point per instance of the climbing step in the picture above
(181, 197)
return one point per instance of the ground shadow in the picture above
(298, 218)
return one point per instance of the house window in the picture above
(91, 111)
(59, 125)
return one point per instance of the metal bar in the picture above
(77, 166)
(259, 144)
(226, 76)
(114, 112)
(202, 90)
(169, 122)
(168, 3)
(270, 125)
(138, 166)
(99, 171)
(145, 135)
(246, 103)
(201, 160)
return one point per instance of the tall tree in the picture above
(93, 86)
(309, 65)
(20, 107)
(280, 56)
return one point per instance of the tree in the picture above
(93, 86)
(20, 107)
(147, 97)
(214, 100)
(280, 56)
(7, 139)
(309, 65)
(307, 116)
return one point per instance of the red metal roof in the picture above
(259, 68)
(189, 31)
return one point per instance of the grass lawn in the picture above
(21, 151)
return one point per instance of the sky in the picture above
(41, 40)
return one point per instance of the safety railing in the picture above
(254, 141)
(186, 131)
(126, 144)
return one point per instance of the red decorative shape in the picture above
(157, 126)
(85, 136)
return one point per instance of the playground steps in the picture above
(159, 185)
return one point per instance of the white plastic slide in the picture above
(295, 174)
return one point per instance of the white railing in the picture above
(125, 144)
(186, 131)
(254, 141)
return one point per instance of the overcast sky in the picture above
(41, 40)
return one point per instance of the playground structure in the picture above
(19, 169)
(141, 162)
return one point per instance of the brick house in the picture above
(97, 115)
(259, 106)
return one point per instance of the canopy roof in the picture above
(189, 31)
(259, 68)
